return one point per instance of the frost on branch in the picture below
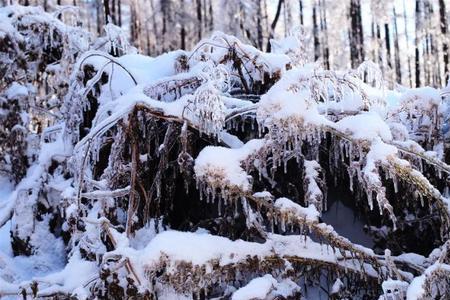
(208, 109)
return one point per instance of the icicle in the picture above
(283, 223)
(369, 198)
(351, 182)
(395, 181)
(421, 199)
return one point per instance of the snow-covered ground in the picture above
(24, 268)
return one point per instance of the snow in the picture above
(412, 258)
(147, 69)
(263, 195)
(47, 258)
(313, 192)
(394, 288)
(16, 91)
(73, 277)
(257, 288)
(144, 235)
(286, 205)
(226, 171)
(282, 103)
(365, 126)
(337, 286)
(416, 288)
(204, 249)
(198, 248)
(379, 151)
(423, 98)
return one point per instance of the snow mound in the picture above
(221, 166)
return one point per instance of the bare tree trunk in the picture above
(274, 24)
(211, 16)
(113, 12)
(444, 32)
(380, 49)
(106, 11)
(387, 39)
(417, 51)
(155, 27)
(300, 6)
(119, 12)
(324, 29)
(183, 30)
(165, 15)
(356, 34)
(266, 17)
(147, 37)
(407, 43)
(199, 19)
(99, 18)
(374, 40)
(205, 16)
(259, 26)
(316, 33)
(285, 19)
(398, 71)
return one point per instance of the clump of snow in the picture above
(337, 286)
(263, 195)
(314, 194)
(75, 275)
(257, 288)
(416, 289)
(421, 99)
(262, 287)
(176, 247)
(365, 126)
(394, 289)
(222, 167)
(379, 151)
(287, 206)
(16, 90)
(286, 104)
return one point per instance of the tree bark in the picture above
(405, 19)
(356, 34)
(199, 19)
(398, 71)
(106, 11)
(300, 5)
(387, 39)
(211, 16)
(417, 51)
(316, 34)
(444, 32)
(113, 12)
(259, 29)
(182, 30)
(324, 29)
(274, 24)
(119, 12)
